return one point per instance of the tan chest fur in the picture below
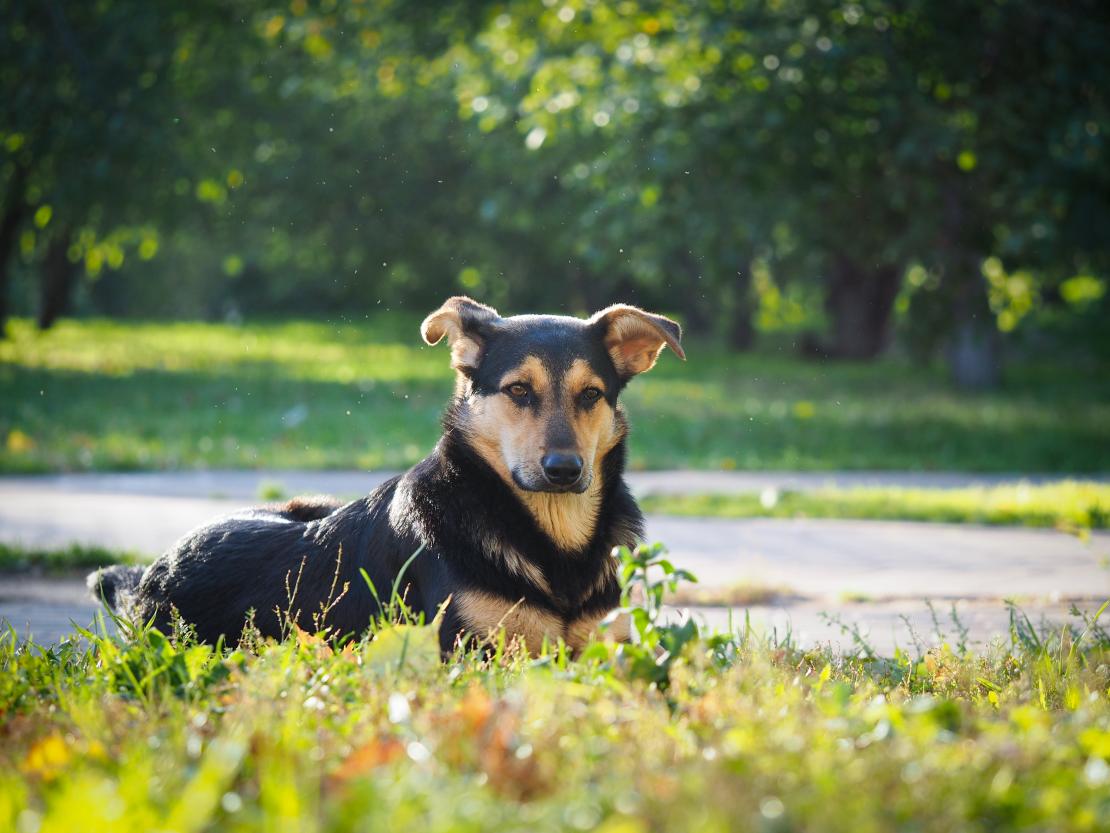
(484, 614)
(567, 519)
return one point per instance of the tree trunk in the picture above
(59, 277)
(973, 351)
(740, 332)
(14, 211)
(974, 360)
(689, 285)
(859, 301)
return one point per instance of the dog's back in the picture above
(287, 563)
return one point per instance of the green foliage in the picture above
(648, 577)
(1071, 506)
(207, 159)
(103, 395)
(147, 731)
(95, 128)
(147, 665)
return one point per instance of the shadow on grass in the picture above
(111, 395)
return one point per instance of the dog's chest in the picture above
(484, 614)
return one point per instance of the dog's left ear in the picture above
(635, 338)
(462, 321)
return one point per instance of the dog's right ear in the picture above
(462, 321)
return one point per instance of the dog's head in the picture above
(537, 394)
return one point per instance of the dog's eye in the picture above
(590, 395)
(517, 390)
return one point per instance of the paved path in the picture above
(816, 558)
(834, 558)
(247, 485)
(821, 560)
(47, 609)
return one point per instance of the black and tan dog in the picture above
(515, 512)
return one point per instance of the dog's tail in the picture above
(115, 585)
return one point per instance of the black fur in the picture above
(296, 560)
(115, 584)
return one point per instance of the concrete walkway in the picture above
(825, 559)
(248, 485)
(822, 561)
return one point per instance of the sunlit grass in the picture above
(110, 395)
(154, 734)
(1068, 505)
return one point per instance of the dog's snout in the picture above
(561, 468)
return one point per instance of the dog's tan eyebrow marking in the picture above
(580, 375)
(531, 371)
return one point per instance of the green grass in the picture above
(1069, 505)
(16, 558)
(108, 395)
(688, 732)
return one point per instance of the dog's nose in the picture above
(561, 469)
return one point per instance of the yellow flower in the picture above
(804, 409)
(18, 442)
(47, 757)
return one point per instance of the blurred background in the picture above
(833, 178)
(856, 210)
(883, 226)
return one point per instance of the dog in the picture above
(512, 518)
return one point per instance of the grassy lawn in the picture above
(714, 733)
(16, 558)
(1071, 506)
(107, 395)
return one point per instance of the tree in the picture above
(338, 157)
(875, 136)
(90, 108)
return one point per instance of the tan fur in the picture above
(581, 376)
(307, 507)
(516, 563)
(495, 429)
(466, 349)
(636, 338)
(595, 428)
(567, 519)
(504, 436)
(532, 372)
(484, 614)
(633, 345)
(512, 440)
(607, 573)
(582, 630)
